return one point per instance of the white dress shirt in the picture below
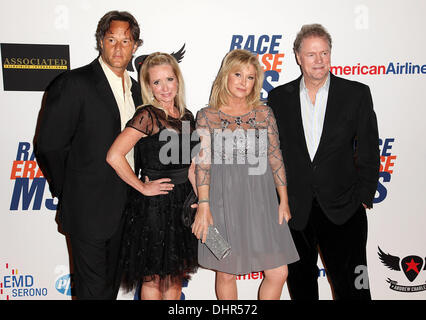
(124, 99)
(313, 114)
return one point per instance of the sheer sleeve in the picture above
(274, 152)
(142, 121)
(203, 160)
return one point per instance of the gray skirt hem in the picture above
(243, 272)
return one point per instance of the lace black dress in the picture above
(155, 241)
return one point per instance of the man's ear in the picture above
(298, 58)
(135, 47)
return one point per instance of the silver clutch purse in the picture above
(217, 244)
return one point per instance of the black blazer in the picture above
(79, 122)
(345, 170)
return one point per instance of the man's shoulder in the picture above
(347, 83)
(286, 88)
(75, 79)
(81, 72)
(78, 76)
(349, 90)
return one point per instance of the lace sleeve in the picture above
(274, 152)
(142, 121)
(203, 160)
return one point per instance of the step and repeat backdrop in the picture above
(379, 43)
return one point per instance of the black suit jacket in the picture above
(78, 124)
(345, 170)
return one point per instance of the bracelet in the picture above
(203, 200)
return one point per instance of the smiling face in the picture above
(314, 59)
(163, 84)
(118, 46)
(241, 81)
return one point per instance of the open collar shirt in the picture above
(123, 98)
(313, 114)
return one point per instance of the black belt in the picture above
(177, 176)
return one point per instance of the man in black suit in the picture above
(85, 110)
(330, 145)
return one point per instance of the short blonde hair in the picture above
(157, 59)
(233, 60)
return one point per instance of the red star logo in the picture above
(412, 266)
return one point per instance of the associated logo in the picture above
(394, 68)
(267, 49)
(29, 181)
(135, 64)
(387, 162)
(411, 266)
(13, 284)
(31, 67)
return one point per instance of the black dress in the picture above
(155, 241)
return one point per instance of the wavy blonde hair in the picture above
(233, 61)
(158, 59)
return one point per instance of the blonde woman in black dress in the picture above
(157, 248)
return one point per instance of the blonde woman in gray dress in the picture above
(239, 173)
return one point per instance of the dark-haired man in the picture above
(85, 110)
(329, 138)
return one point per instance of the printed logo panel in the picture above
(31, 67)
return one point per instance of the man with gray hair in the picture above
(330, 144)
(85, 110)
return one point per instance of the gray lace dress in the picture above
(241, 161)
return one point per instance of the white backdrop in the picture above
(34, 262)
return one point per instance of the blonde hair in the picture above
(234, 60)
(157, 59)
